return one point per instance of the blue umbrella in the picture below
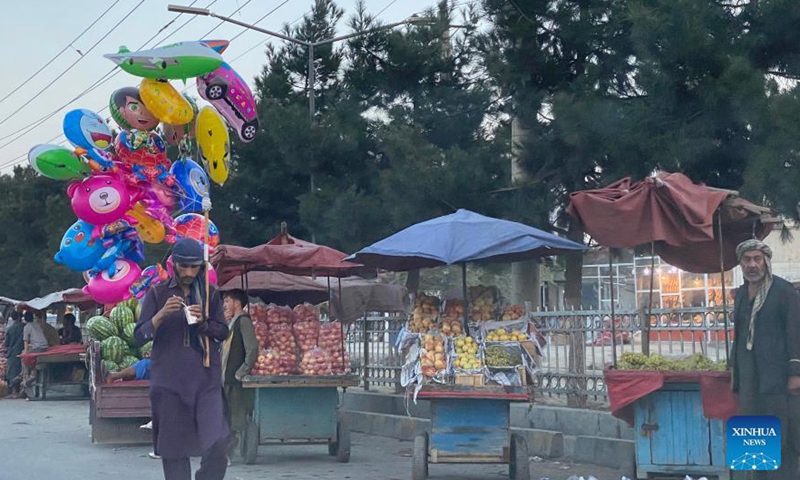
(459, 238)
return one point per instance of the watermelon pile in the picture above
(116, 337)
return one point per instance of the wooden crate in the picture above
(470, 379)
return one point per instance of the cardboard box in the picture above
(470, 379)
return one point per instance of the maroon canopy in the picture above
(676, 214)
(286, 254)
(280, 288)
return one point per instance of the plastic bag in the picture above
(273, 362)
(315, 362)
(262, 334)
(276, 314)
(305, 334)
(466, 355)
(433, 357)
(425, 316)
(510, 331)
(305, 312)
(281, 338)
(505, 356)
(257, 312)
(330, 340)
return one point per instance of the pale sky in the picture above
(34, 32)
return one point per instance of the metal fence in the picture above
(371, 345)
(579, 343)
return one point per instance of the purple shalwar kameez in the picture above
(186, 397)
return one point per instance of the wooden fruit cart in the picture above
(61, 365)
(117, 410)
(470, 424)
(678, 419)
(297, 410)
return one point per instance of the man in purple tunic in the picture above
(185, 375)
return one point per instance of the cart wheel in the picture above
(519, 465)
(419, 468)
(250, 443)
(342, 443)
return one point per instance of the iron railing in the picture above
(578, 343)
(371, 345)
(577, 347)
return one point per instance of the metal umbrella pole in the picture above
(722, 280)
(646, 323)
(466, 301)
(613, 322)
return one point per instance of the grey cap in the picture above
(187, 251)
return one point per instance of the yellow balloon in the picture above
(150, 229)
(215, 145)
(165, 103)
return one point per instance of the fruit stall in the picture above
(117, 409)
(60, 365)
(470, 382)
(678, 408)
(470, 356)
(301, 366)
(302, 363)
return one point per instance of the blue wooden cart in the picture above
(297, 410)
(470, 424)
(673, 437)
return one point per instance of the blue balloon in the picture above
(77, 251)
(87, 130)
(191, 185)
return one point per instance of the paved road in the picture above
(51, 440)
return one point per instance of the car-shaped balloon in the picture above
(231, 96)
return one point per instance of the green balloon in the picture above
(58, 163)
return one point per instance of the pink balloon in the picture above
(164, 195)
(100, 199)
(113, 289)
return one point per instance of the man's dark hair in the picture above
(15, 316)
(237, 295)
(69, 318)
(28, 316)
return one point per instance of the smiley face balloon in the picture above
(215, 144)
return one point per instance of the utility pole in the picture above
(525, 276)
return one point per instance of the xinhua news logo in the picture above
(754, 443)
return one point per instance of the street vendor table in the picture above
(470, 424)
(57, 366)
(678, 419)
(297, 410)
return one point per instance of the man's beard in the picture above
(186, 280)
(755, 276)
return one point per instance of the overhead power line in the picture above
(67, 47)
(72, 65)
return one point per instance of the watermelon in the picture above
(100, 327)
(121, 316)
(111, 366)
(130, 303)
(127, 361)
(114, 349)
(127, 334)
(138, 311)
(145, 349)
